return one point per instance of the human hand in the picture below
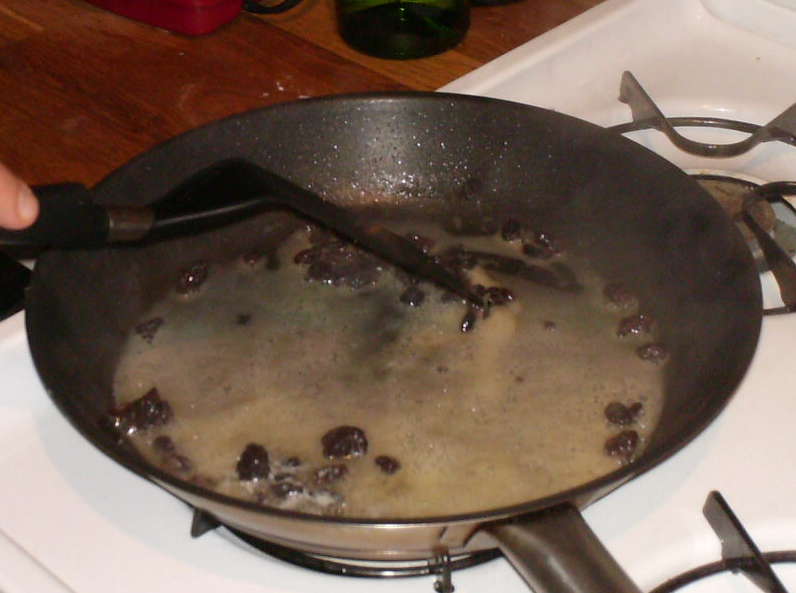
(18, 206)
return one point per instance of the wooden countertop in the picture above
(83, 90)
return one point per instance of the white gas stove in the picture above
(72, 520)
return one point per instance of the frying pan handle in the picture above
(14, 278)
(67, 217)
(555, 551)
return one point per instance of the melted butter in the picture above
(507, 413)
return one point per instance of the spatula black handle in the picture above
(67, 218)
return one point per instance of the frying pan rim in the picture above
(584, 493)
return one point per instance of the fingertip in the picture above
(18, 206)
(27, 205)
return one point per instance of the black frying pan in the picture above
(639, 219)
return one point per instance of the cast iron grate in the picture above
(739, 553)
(646, 115)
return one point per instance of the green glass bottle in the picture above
(403, 29)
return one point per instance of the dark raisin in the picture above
(243, 318)
(193, 277)
(492, 296)
(340, 264)
(389, 465)
(286, 489)
(164, 444)
(468, 321)
(412, 296)
(541, 245)
(618, 294)
(148, 411)
(343, 442)
(636, 408)
(148, 329)
(253, 463)
(511, 230)
(623, 445)
(457, 258)
(618, 413)
(330, 473)
(479, 289)
(497, 295)
(654, 352)
(549, 325)
(635, 325)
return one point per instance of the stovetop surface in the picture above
(71, 520)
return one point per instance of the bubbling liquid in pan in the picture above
(259, 363)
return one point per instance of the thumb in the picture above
(18, 206)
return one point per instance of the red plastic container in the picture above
(191, 17)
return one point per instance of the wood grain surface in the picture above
(83, 90)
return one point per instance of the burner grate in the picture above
(714, 568)
(442, 565)
(646, 115)
(739, 553)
